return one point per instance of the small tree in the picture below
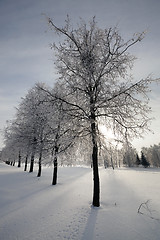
(144, 161)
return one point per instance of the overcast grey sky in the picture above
(25, 56)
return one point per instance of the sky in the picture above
(26, 58)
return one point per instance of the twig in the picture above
(146, 207)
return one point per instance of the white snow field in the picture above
(32, 209)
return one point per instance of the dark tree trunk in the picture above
(112, 163)
(26, 161)
(32, 163)
(32, 156)
(54, 182)
(39, 169)
(40, 164)
(55, 162)
(96, 184)
(19, 159)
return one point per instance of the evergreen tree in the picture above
(144, 161)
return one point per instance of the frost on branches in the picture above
(94, 89)
(93, 66)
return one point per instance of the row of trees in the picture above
(109, 156)
(41, 128)
(93, 89)
(152, 154)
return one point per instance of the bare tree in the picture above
(36, 112)
(93, 66)
(62, 127)
(28, 129)
(14, 142)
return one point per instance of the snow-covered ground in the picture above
(32, 209)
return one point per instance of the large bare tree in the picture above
(93, 66)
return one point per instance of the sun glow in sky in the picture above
(109, 135)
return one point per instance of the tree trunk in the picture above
(26, 161)
(39, 169)
(40, 164)
(96, 184)
(112, 162)
(32, 163)
(54, 182)
(55, 162)
(19, 159)
(32, 156)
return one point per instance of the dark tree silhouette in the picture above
(144, 161)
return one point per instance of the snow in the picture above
(32, 209)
